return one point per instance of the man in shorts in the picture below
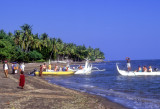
(128, 63)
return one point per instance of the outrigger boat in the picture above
(56, 73)
(133, 73)
(86, 70)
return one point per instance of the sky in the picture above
(120, 28)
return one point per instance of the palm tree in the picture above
(37, 44)
(101, 55)
(2, 34)
(49, 47)
(90, 52)
(45, 39)
(71, 50)
(36, 36)
(18, 38)
(29, 39)
(55, 47)
(10, 34)
(27, 36)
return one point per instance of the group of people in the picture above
(14, 70)
(56, 68)
(15, 67)
(144, 69)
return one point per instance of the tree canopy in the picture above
(23, 45)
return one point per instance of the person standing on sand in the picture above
(6, 68)
(22, 80)
(22, 67)
(15, 68)
(128, 63)
(12, 67)
(41, 69)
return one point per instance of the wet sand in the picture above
(39, 94)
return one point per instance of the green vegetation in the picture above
(23, 45)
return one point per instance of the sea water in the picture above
(135, 92)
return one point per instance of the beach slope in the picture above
(39, 94)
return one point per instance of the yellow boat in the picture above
(56, 73)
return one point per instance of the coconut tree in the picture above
(2, 34)
(10, 34)
(26, 36)
(46, 45)
(60, 47)
(29, 40)
(101, 55)
(18, 38)
(55, 47)
(70, 50)
(36, 44)
(45, 38)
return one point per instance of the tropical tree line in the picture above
(23, 45)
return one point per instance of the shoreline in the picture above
(39, 93)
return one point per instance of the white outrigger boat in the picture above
(133, 73)
(86, 70)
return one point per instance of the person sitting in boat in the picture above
(49, 67)
(60, 69)
(139, 69)
(73, 68)
(44, 67)
(64, 69)
(156, 69)
(128, 63)
(56, 68)
(144, 69)
(80, 67)
(150, 69)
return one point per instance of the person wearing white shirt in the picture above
(22, 66)
(6, 68)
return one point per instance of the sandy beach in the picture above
(39, 94)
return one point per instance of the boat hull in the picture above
(56, 73)
(83, 71)
(132, 73)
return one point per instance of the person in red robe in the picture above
(22, 80)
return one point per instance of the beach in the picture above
(38, 93)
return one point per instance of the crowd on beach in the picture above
(140, 69)
(19, 69)
(15, 69)
(21, 66)
(44, 67)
